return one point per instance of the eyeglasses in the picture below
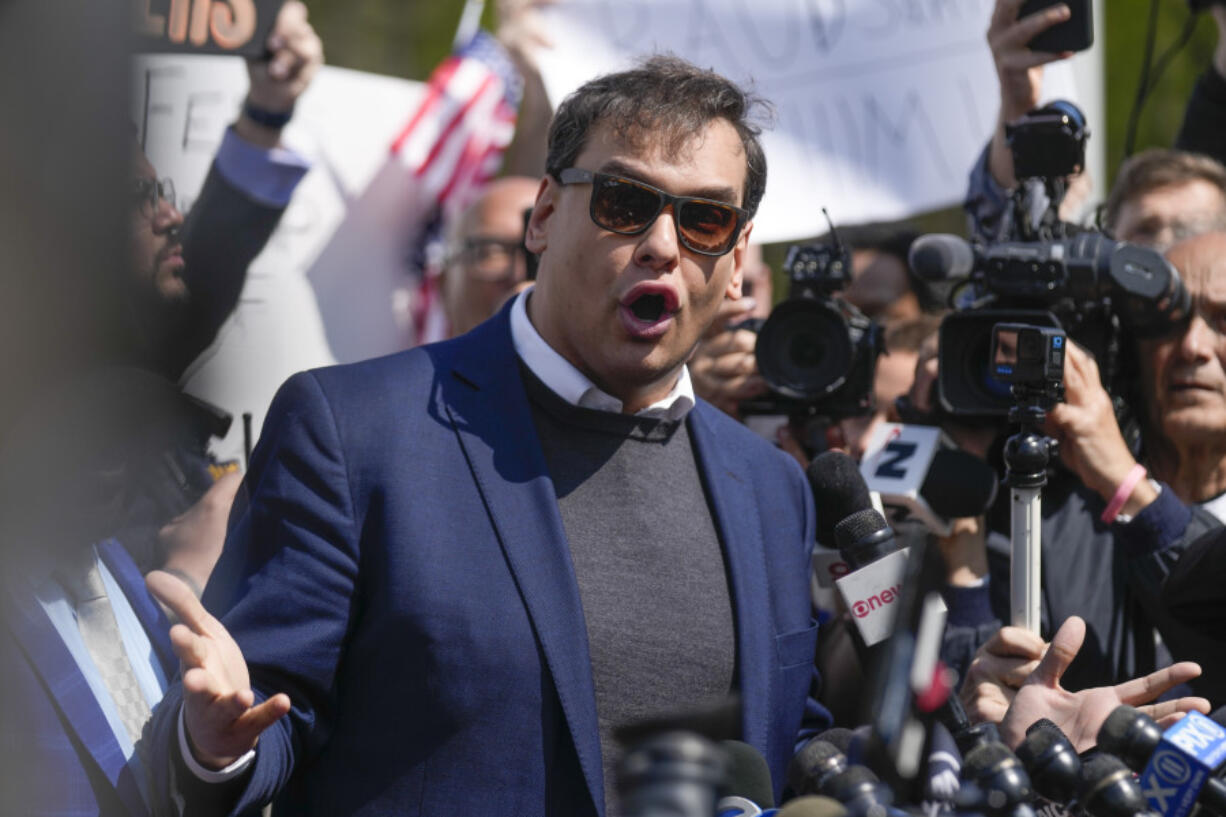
(491, 260)
(148, 192)
(630, 207)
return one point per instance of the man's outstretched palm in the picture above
(1080, 714)
(222, 722)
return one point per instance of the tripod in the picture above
(1027, 455)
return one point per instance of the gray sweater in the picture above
(647, 559)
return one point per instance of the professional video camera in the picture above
(817, 352)
(1045, 273)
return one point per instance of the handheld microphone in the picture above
(920, 471)
(860, 792)
(815, 765)
(1051, 760)
(941, 256)
(1176, 766)
(999, 775)
(812, 806)
(676, 773)
(1108, 790)
(749, 782)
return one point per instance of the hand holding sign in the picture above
(295, 54)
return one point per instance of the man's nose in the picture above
(658, 247)
(1198, 340)
(167, 216)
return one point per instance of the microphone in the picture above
(676, 773)
(919, 470)
(861, 792)
(959, 484)
(1108, 790)
(998, 773)
(812, 806)
(1051, 760)
(812, 768)
(1176, 766)
(749, 782)
(864, 537)
(940, 256)
(838, 490)
(864, 540)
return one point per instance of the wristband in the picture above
(1122, 493)
(269, 119)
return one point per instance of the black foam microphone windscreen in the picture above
(838, 490)
(959, 484)
(749, 775)
(939, 257)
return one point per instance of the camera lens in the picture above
(804, 350)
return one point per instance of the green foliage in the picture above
(1127, 22)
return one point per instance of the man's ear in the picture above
(733, 292)
(536, 235)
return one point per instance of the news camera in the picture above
(816, 351)
(1044, 272)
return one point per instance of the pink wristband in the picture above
(1122, 493)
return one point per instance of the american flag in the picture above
(454, 140)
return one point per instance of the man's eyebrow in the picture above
(717, 193)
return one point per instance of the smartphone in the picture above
(1074, 34)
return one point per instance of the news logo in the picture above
(862, 607)
(1188, 753)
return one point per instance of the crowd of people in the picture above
(449, 579)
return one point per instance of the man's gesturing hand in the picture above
(999, 669)
(1080, 714)
(222, 724)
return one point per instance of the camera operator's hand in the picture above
(296, 53)
(723, 367)
(1019, 70)
(1080, 714)
(1091, 444)
(999, 669)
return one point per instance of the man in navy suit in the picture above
(460, 568)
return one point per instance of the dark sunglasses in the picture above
(630, 207)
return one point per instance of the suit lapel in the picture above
(152, 619)
(736, 518)
(81, 712)
(484, 397)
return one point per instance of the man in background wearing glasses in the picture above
(486, 259)
(462, 567)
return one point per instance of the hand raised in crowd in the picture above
(723, 367)
(1091, 443)
(276, 83)
(223, 723)
(521, 31)
(999, 669)
(1019, 70)
(193, 540)
(1080, 714)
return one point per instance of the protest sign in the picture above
(333, 281)
(882, 105)
(203, 26)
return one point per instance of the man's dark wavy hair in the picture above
(664, 100)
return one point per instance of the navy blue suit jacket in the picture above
(58, 753)
(402, 573)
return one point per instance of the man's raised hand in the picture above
(1080, 714)
(222, 722)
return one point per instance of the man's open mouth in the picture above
(648, 307)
